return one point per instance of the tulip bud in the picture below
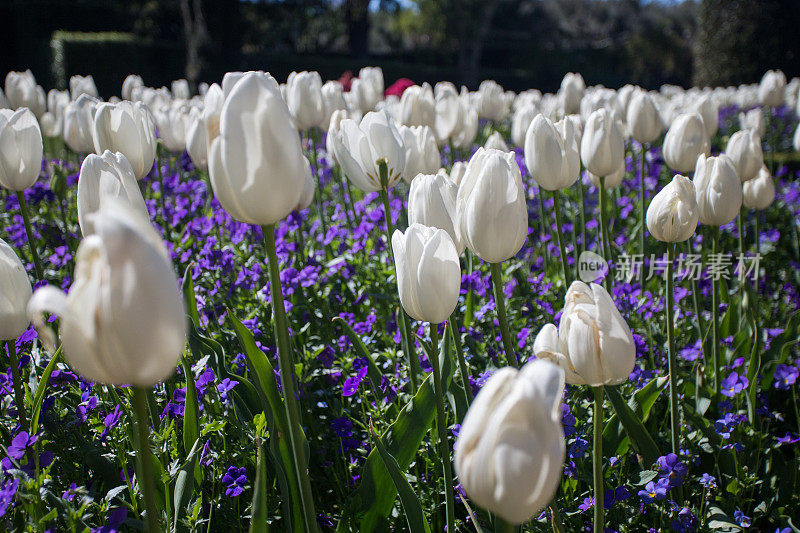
(744, 149)
(571, 92)
(123, 321)
(309, 187)
(180, 89)
(602, 145)
(673, 213)
(172, 121)
(22, 91)
(717, 189)
(612, 180)
(128, 128)
(796, 139)
(551, 165)
(642, 117)
(428, 272)
(102, 177)
(372, 77)
(492, 214)
(358, 148)
(130, 84)
(432, 202)
(510, 450)
(753, 120)
(333, 129)
(495, 141)
(594, 344)
(467, 127)
(457, 172)
(685, 140)
(759, 193)
(15, 291)
(772, 87)
(709, 111)
(521, 122)
(304, 99)
(417, 106)
(21, 149)
(332, 100)
(79, 124)
(422, 154)
(448, 111)
(197, 139)
(212, 109)
(79, 85)
(256, 164)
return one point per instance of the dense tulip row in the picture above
(259, 191)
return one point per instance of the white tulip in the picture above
(123, 321)
(180, 89)
(594, 344)
(212, 109)
(309, 188)
(21, 149)
(457, 171)
(492, 103)
(673, 213)
(256, 165)
(753, 120)
(521, 122)
(448, 111)
(612, 180)
(422, 154)
(432, 202)
(772, 87)
(552, 163)
(418, 106)
(172, 121)
(510, 451)
(686, 139)
(717, 189)
(467, 127)
(22, 91)
(358, 147)
(372, 77)
(15, 291)
(428, 272)
(332, 100)
(744, 149)
(103, 177)
(79, 124)
(709, 111)
(796, 139)
(79, 85)
(571, 92)
(492, 216)
(644, 122)
(130, 84)
(495, 141)
(759, 193)
(304, 99)
(197, 139)
(128, 128)
(602, 144)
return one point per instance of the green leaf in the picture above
(779, 349)
(719, 521)
(640, 439)
(258, 523)
(373, 500)
(38, 397)
(184, 487)
(752, 372)
(191, 417)
(374, 373)
(189, 300)
(642, 401)
(411, 505)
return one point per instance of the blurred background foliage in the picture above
(520, 43)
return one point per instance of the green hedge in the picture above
(110, 56)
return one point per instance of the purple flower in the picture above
(351, 384)
(672, 469)
(587, 504)
(225, 387)
(734, 384)
(7, 492)
(785, 376)
(110, 421)
(234, 481)
(654, 491)
(787, 439)
(742, 519)
(708, 481)
(342, 427)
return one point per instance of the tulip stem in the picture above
(562, 251)
(405, 328)
(501, 526)
(597, 459)
(500, 307)
(604, 241)
(673, 390)
(287, 381)
(642, 211)
(715, 313)
(26, 219)
(161, 196)
(542, 225)
(583, 210)
(148, 481)
(462, 363)
(441, 428)
(19, 392)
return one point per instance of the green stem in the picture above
(604, 242)
(542, 226)
(469, 303)
(597, 459)
(794, 404)
(673, 390)
(26, 219)
(715, 314)
(501, 526)
(740, 229)
(19, 391)
(583, 210)
(642, 212)
(500, 307)
(162, 193)
(405, 328)
(441, 429)
(148, 481)
(463, 369)
(561, 248)
(287, 381)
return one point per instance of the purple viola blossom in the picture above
(742, 519)
(587, 504)
(654, 490)
(734, 384)
(708, 481)
(7, 492)
(672, 469)
(234, 481)
(787, 439)
(110, 421)
(225, 386)
(352, 383)
(686, 522)
(19, 445)
(71, 492)
(116, 518)
(785, 376)
(342, 426)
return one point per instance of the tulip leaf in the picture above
(38, 397)
(640, 439)
(374, 373)
(189, 300)
(779, 349)
(411, 505)
(373, 500)
(641, 402)
(258, 522)
(191, 416)
(184, 487)
(274, 410)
